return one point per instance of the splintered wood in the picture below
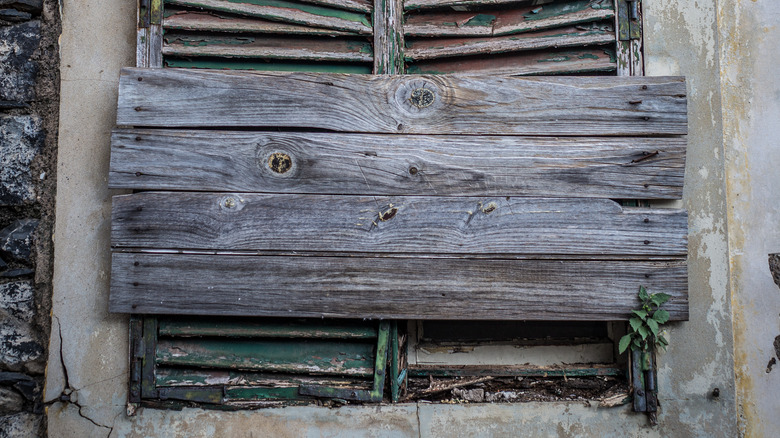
(396, 197)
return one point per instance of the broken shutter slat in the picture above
(189, 44)
(399, 225)
(287, 12)
(177, 376)
(391, 288)
(505, 22)
(570, 60)
(382, 104)
(606, 167)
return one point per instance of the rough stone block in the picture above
(22, 425)
(17, 70)
(31, 6)
(21, 139)
(20, 348)
(10, 401)
(16, 240)
(18, 299)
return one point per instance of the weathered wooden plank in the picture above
(266, 65)
(248, 329)
(547, 62)
(287, 356)
(410, 5)
(287, 11)
(430, 48)
(457, 104)
(601, 167)
(412, 224)
(308, 49)
(205, 21)
(388, 37)
(402, 288)
(506, 22)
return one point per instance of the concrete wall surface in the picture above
(719, 45)
(750, 89)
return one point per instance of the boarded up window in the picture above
(315, 194)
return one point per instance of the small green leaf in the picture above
(643, 331)
(653, 326)
(640, 313)
(661, 316)
(636, 344)
(643, 293)
(662, 340)
(660, 298)
(636, 323)
(625, 341)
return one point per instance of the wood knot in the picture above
(489, 208)
(422, 97)
(388, 214)
(279, 162)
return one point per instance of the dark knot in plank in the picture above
(422, 97)
(280, 162)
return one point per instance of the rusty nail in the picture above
(647, 242)
(716, 392)
(413, 170)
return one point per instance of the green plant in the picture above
(646, 322)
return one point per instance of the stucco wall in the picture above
(750, 87)
(682, 37)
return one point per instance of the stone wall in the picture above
(29, 101)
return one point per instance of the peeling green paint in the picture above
(557, 9)
(587, 56)
(481, 20)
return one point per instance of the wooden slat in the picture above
(572, 60)
(601, 167)
(410, 5)
(505, 22)
(169, 376)
(431, 48)
(411, 224)
(404, 288)
(181, 327)
(288, 12)
(203, 21)
(309, 49)
(288, 356)
(266, 65)
(384, 103)
(365, 6)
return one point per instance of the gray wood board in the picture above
(413, 288)
(419, 104)
(604, 167)
(411, 224)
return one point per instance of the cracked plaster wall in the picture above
(682, 37)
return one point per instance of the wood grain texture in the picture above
(566, 61)
(461, 104)
(287, 12)
(309, 49)
(503, 22)
(204, 21)
(408, 224)
(410, 5)
(413, 288)
(388, 37)
(365, 6)
(432, 48)
(598, 167)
